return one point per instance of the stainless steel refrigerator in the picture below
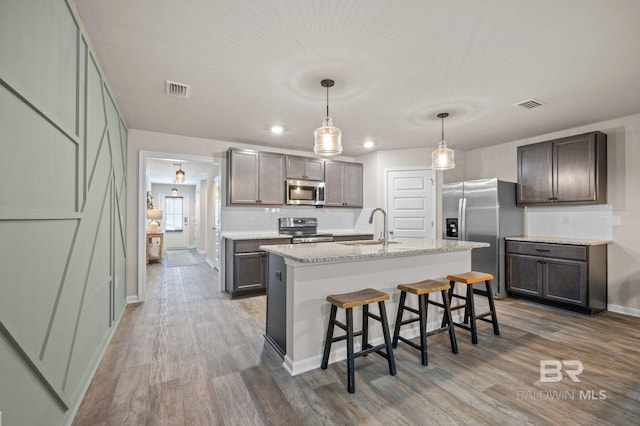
(483, 210)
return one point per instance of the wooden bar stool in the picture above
(347, 302)
(470, 278)
(422, 289)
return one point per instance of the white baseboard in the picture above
(623, 310)
(209, 262)
(312, 363)
(132, 299)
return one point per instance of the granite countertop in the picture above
(264, 235)
(560, 240)
(349, 252)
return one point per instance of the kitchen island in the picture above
(301, 277)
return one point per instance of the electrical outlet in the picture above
(616, 220)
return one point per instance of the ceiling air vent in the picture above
(178, 90)
(529, 104)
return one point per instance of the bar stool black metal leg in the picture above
(329, 338)
(396, 331)
(351, 382)
(492, 308)
(387, 338)
(450, 295)
(472, 314)
(422, 312)
(365, 326)
(447, 313)
(466, 307)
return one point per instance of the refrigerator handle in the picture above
(460, 220)
(463, 218)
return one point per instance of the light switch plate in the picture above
(616, 220)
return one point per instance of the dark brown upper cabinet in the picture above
(343, 184)
(570, 170)
(255, 177)
(305, 168)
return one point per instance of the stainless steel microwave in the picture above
(304, 192)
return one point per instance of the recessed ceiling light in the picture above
(277, 129)
(368, 144)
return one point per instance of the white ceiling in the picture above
(163, 170)
(255, 63)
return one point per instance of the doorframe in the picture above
(143, 156)
(436, 186)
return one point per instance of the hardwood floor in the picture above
(191, 356)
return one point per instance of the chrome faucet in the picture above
(383, 237)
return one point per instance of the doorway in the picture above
(411, 202)
(177, 232)
(160, 168)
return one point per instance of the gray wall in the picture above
(62, 212)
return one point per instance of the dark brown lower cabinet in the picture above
(276, 324)
(246, 266)
(564, 275)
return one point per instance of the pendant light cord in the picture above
(327, 101)
(442, 128)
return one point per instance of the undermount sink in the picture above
(366, 243)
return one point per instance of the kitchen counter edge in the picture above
(338, 253)
(249, 235)
(560, 240)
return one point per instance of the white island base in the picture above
(309, 283)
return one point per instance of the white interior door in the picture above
(411, 204)
(175, 222)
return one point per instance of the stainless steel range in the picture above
(303, 230)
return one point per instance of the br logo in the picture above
(551, 370)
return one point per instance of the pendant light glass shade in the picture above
(328, 138)
(174, 191)
(442, 158)
(180, 175)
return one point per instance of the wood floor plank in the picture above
(234, 401)
(165, 404)
(273, 405)
(190, 355)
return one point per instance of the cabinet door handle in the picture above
(543, 250)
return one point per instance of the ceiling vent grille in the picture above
(529, 104)
(178, 90)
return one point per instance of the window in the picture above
(173, 210)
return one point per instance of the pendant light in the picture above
(180, 175)
(328, 138)
(174, 192)
(442, 158)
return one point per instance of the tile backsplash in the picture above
(235, 219)
(593, 222)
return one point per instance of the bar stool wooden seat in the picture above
(422, 289)
(348, 301)
(470, 316)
